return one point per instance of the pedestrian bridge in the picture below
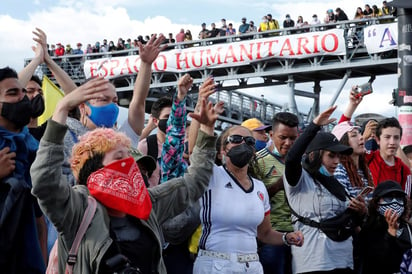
(243, 64)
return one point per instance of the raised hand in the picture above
(324, 117)
(219, 107)
(149, 52)
(207, 117)
(39, 53)
(90, 90)
(7, 162)
(370, 129)
(207, 88)
(183, 86)
(41, 39)
(354, 97)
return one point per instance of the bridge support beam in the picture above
(291, 93)
(315, 107)
(340, 87)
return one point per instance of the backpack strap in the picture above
(87, 218)
(152, 148)
(303, 220)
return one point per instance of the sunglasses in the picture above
(390, 200)
(237, 139)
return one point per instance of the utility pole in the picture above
(404, 13)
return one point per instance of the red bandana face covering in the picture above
(120, 186)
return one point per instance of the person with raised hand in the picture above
(228, 239)
(207, 88)
(315, 196)
(127, 221)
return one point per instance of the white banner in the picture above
(380, 38)
(330, 42)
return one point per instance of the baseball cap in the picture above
(340, 129)
(328, 141)
(79, 44)
(255, 125)
(386, 187)
(147, 160)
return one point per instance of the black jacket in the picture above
(380, 252)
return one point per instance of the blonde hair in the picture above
(100, 140)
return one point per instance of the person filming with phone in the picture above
(388, 161)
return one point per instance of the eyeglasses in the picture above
(237, 139)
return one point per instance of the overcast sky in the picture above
(72, 21)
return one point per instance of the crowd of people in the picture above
(83, 194)
(226, 29)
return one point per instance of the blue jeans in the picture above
(275, 259)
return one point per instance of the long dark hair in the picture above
(347, 162)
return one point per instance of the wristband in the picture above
(284, 239)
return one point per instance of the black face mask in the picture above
(18, 113)
(37, 104)
(162, 125)
(241, 155)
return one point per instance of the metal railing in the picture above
(239, 106)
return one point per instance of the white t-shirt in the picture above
(128, 130)
(230, 215)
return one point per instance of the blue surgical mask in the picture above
(276, 152)
(104, 116)
(260, 145)
(324, 171)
